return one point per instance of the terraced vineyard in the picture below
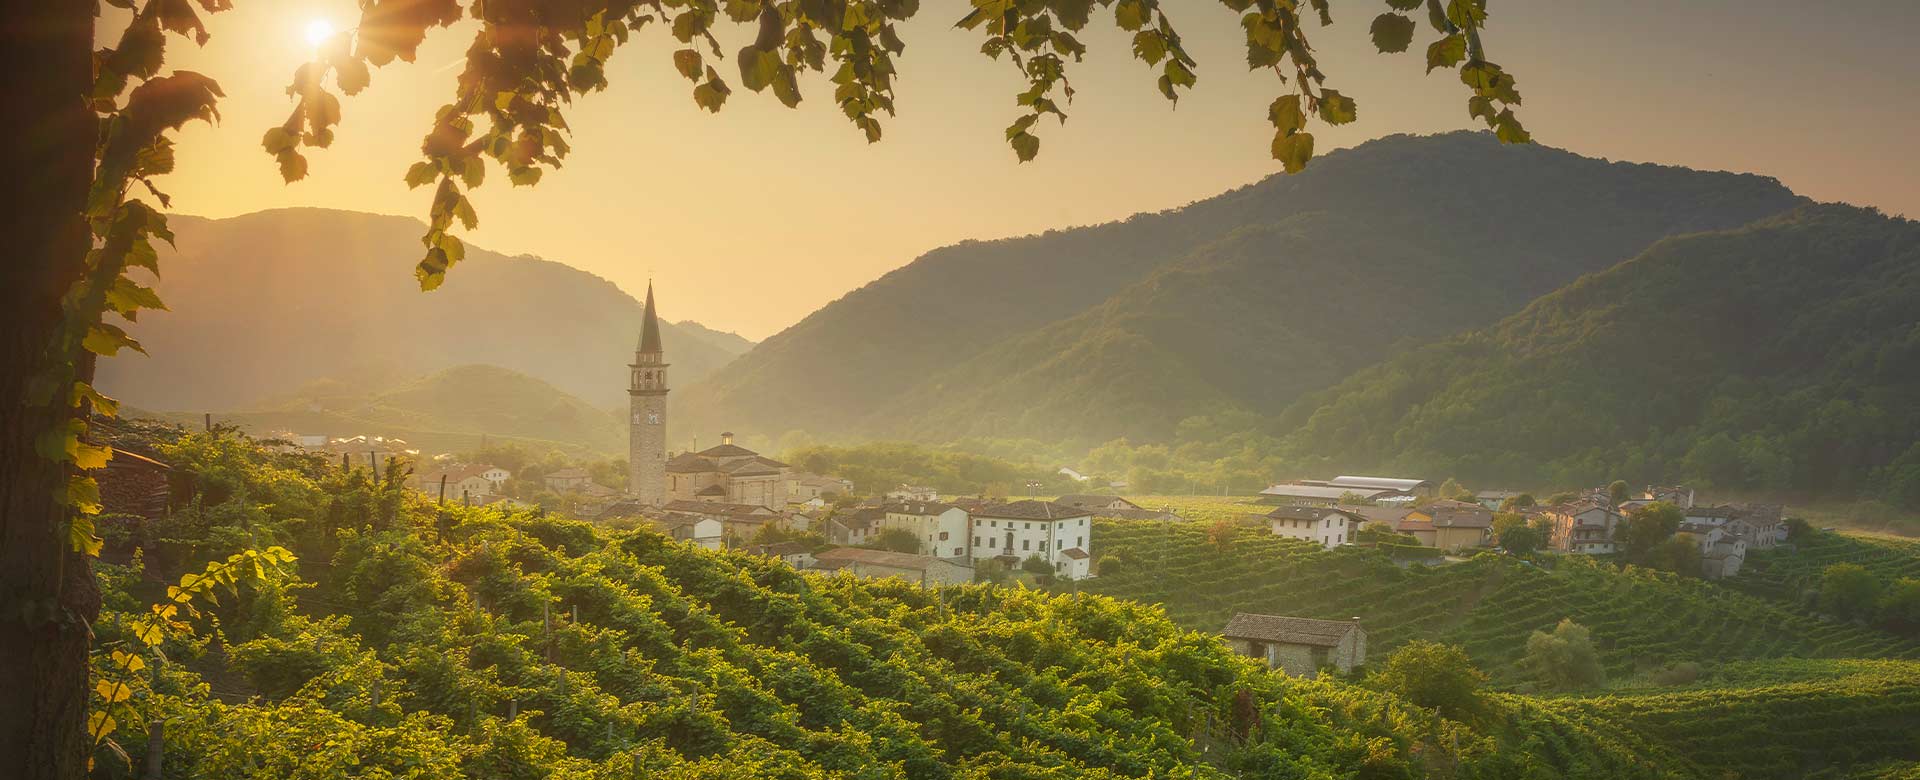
(1490, 604)
(1787, 572)
(1775, 719)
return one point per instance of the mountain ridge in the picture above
(1032, 337)
(263, 303)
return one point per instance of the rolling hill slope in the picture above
(267, 302)
(1782, 356)
(447, 411)
(1247, 299)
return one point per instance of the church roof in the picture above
(688, 463)
(650, 329)
(728, 451)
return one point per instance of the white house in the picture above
(498, 476)
(1056, 533)
(462, 483)
(1324, 526)
(706, 532)
(1070, 473)
(941, 528)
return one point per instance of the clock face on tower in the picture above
(653, 418)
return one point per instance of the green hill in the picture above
(1247, 299)
(1641, 620)
(264, 303)
(445, 411)
(1779, 357)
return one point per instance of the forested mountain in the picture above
(1782, 356)
(1245, 300)
(449, 410)
(266, 302)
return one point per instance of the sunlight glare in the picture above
(318, 31)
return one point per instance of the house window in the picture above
(976, 541)
(1026, 544)
(1076, 543)
(943, 536)
(1059, 544)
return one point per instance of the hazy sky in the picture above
(750, 219)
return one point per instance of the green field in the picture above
(1789, 571)
(1785, 719)
(1641, 620)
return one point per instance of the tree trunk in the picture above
(48, 598)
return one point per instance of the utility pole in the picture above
(443, 488)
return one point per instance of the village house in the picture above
(1721, 553)
(1324, 526)
(1070, 473)
(727, 474)
(467, 484)
(881, 564)
(1096, 503)
(1056, 533)
(1494, 499)
(940, 528)
(1582, 527)
(854, 525)
(905, 492)
(1115, 507)
(1298, 646)
(1456, 525)
(793, 554)
(803, 487)
(1677, 495)
(740, 522)
(1759, 525)
(566, 479)
(703, 531)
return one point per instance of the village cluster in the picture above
(731, 497)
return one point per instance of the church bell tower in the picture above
(647, 438)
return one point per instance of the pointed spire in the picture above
(650, 331)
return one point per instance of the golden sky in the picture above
(750, 219)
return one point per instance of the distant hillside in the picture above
(1784, 356)
(724, 340)
(264, 303)
(446, 411)
(1246, 300)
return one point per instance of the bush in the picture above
(1434, 675)
(1111, 565)
(1564, 659)
(1848, 590)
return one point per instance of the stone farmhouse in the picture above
(1056, 533)
(1298, 646)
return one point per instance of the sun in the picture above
(318, 31)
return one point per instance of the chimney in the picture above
(726, 438)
